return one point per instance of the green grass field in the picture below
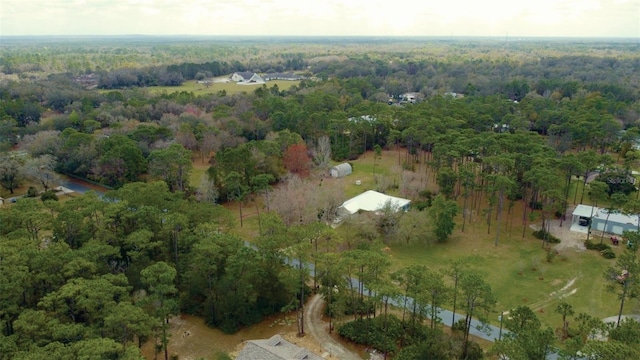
(215, 88)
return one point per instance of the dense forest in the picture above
(496, 124)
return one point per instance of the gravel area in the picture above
(569, 240)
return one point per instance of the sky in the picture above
(513, 18)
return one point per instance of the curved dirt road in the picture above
(317, 328)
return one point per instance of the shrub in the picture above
(459, 325)
(596, 246)
(608, 254)
(604, 249)
(535, 205)
(32, 192)
(420, 205)
(223, 356)
(49, 195)
(371, 332)
(540, 234)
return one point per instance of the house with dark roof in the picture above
(274, 348)
(246, 78)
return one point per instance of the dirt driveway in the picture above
(317, 328)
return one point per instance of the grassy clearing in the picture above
(363, 170)
(215, 88)
(519, 273)
(198, 171)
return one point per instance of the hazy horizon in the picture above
(328, 18)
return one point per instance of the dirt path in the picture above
(317, 328)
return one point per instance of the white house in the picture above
(246, 78)
(410, 97)
(372, 201)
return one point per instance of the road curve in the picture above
(317, 328)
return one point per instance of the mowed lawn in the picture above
(215, 88)
(519, 273)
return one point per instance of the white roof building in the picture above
(246, 78)
(372, 201)
(615, 222)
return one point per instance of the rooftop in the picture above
(372, 201)
(600, 213)
(274, 348)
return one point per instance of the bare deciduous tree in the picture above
(44, 142)
(327, 199)
(209, 143)
(294, 202)
(411, 184)
(41, 169)
(186, 138)
(207, 191)
(322, 152)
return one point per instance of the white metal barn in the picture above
(340, 170)
(372, 201)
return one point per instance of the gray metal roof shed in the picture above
(341, 170)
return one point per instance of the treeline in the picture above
(397, 65)
(126, 78)
(344, 111)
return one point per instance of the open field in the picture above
(217, 87)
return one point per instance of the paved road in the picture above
(317, 328)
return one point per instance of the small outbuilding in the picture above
(340, 170)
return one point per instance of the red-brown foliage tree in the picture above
(297, 160)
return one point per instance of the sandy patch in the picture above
(569, 240)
